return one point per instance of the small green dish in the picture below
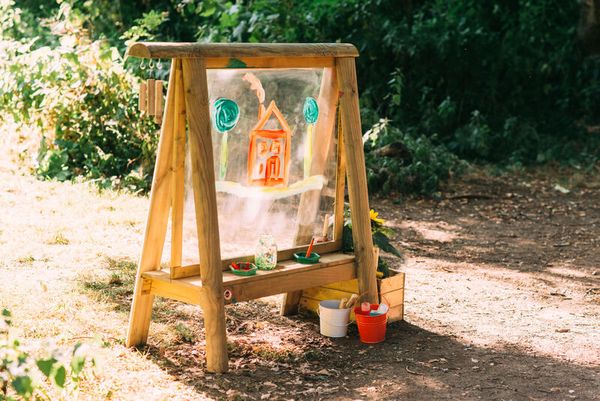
(244, 269)
(300, 257)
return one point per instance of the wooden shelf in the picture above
(287, 276)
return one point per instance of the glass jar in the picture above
(265, 257)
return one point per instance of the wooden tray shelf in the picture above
(287, 276)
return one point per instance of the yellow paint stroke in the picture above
(315, 182)
(308, 150)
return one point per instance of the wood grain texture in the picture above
(393, 298)
(357, 178)
(288, 275)
(178, 171)
(158, 101)
(156, 227)
(163, 287)
(203, 179)
(269, 62)
(340, 186)
(150, 100)
(247, 290)
(391, 283)
(143, 95)
(205, 50)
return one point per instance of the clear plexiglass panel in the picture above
(267, 131)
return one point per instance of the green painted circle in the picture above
(225, 114)
(310, 110)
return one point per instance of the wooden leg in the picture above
(309, 201)
(178, 174)
(156, 225)
(289, 304)
(205, 197)
(357, 180)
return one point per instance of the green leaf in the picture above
(77, 364)
(383, 242)
(23, 385)
(60, 376)
(45, 365)
(210, 11)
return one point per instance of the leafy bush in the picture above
(495, 83)
(80, 97)
(18, 369)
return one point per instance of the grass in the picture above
(65, 291)
(59, 239)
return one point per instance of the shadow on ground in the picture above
(274, 357)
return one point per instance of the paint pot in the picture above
(333, 321)
(300, 257)
(371, 329)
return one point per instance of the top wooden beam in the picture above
(233, 50)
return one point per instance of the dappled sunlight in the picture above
(438, 231)
(75, 269)
(567, 271)
(493, 307)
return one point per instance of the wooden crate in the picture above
(391, 292)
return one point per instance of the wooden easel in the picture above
(209, 284)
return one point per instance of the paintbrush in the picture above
(351, 301)
(310, 247)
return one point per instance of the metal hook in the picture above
(151, 65)
(142, 66)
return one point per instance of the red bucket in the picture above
(370, 328)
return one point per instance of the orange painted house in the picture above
(270, 150)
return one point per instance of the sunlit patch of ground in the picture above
(496, 307)
(437, 231)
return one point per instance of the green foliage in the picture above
(406, 162)
(17, 368)
(381, 238)
(79, 96)
(503, 83)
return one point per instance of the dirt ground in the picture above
(502, 299)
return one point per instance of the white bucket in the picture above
(334, 321)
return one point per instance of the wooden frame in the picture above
(206, 284)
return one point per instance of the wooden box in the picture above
(391, 292)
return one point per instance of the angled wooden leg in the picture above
(156, 225)
(309, 201)
(205, 197)
(357, 180)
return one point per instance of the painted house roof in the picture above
(266, 116)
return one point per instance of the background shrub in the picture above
(502, 82)
(80, 98)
